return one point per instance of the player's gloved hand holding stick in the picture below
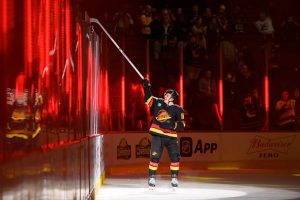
(146, 83)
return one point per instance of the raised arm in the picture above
(148, 98)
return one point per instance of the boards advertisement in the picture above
(131, 148)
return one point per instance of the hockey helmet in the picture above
(174, 94)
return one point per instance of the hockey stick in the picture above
(94, 20)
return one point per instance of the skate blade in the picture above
(151, 188)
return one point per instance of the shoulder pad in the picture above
(178, 107)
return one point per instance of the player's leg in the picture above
(155, 155)
(173, 151)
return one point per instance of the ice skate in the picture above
(174, 181)
(151, 182)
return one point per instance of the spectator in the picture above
(195, 55)
(222, 19)
(239, 25)
(251, 114)
(157, 35)
(214, 32)
(195, 14)
(244, 81)
(238, 21)
(296, 97)
(207, 86)
(168, 29)
(37, 111)
(230, 90)
(231, 114)
(123, 22)
(264, 25)
(207, 15)
(181, 28)
(256, 98)
(290, 30)
(146, 19)
(285, 108)
(222, 11)
(199, 28)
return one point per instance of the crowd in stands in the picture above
(199, 31)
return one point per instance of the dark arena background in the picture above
(74, 124)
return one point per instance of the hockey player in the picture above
(168, 118)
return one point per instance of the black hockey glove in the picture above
(167, 125)
(146, 83)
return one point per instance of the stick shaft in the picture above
(94, 20)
